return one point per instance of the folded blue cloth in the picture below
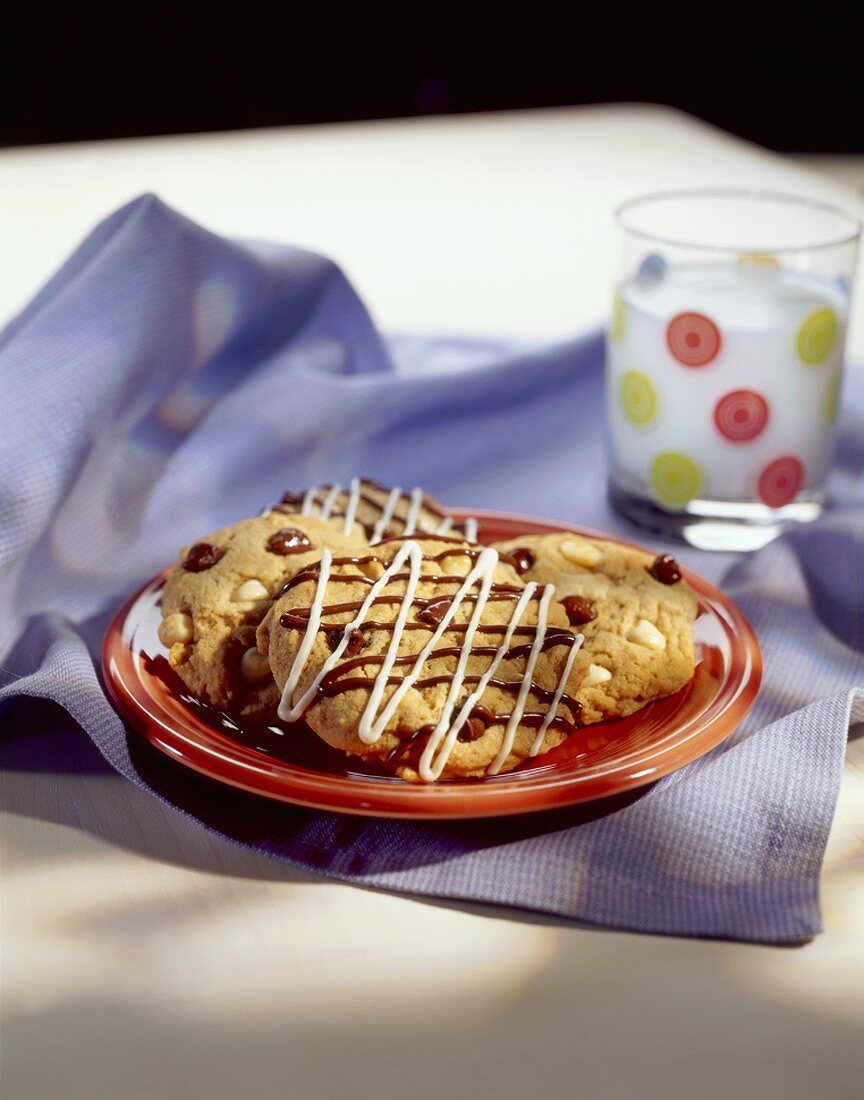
(167, 381)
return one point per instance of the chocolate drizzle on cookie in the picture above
(202, 556)
(341, 673)
(665, 569)
(422, 515)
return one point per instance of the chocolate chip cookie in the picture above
(635, 611)
(217, 594)
(429, 655)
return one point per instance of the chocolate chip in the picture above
(579, 610)
(355, 643)
(523, 558)
(476, 724)
(665, 569)
(203, 555)
(435, 611)
(471, 731)
(288, 541)
(293, 498)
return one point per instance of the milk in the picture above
(723, 379)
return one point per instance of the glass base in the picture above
(717, 524)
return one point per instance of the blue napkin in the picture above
(167, 381)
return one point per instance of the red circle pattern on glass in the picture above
(741, 415)
(693, 339)
(781, 481)
(595, 762)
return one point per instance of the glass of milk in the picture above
(724, 362)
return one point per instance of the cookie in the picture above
(382, 512)
(430, 655)
(635, 611)
(217, 594)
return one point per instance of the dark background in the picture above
(787, 78)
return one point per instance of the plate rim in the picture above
(495, 797)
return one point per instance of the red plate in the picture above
(295, 766)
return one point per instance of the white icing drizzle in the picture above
(440, 744)
(351, 506)
(369, 730)
(556, 698)
(387, 514)
(285, 712)
(416, 519)
(413, 511)
(330, 500)
(484, 567)
(522, 698)
(430, 767)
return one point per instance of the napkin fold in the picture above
(167, 381)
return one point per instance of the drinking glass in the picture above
(724, 362)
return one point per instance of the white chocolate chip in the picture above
(647, 634)
(597, 674)
(250, 590)
(254, 666)
(457, 565)
(580, 552)
(179, 654)
(374, 570)
(175, 628)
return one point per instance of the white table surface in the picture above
(142, 957)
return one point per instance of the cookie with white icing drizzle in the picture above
(635, 610)
(219, 591)
(429, 654)
(382, 511)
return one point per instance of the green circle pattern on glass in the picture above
(816, 336)
(638, 398)
(675, 479)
